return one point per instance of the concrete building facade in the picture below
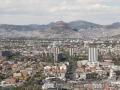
(93, 54)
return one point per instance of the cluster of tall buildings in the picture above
(92, 53)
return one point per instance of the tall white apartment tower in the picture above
(71, 51)
(56, 52)
(93, 54)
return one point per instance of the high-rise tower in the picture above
(93, 54)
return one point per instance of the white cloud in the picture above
(98, 7)
(48, 10)
(88, 1)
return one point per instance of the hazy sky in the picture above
(45, 11)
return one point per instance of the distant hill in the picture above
(83, 25)
(60, 29)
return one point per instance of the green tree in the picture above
(71, 68)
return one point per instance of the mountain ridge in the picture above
(60, 29)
